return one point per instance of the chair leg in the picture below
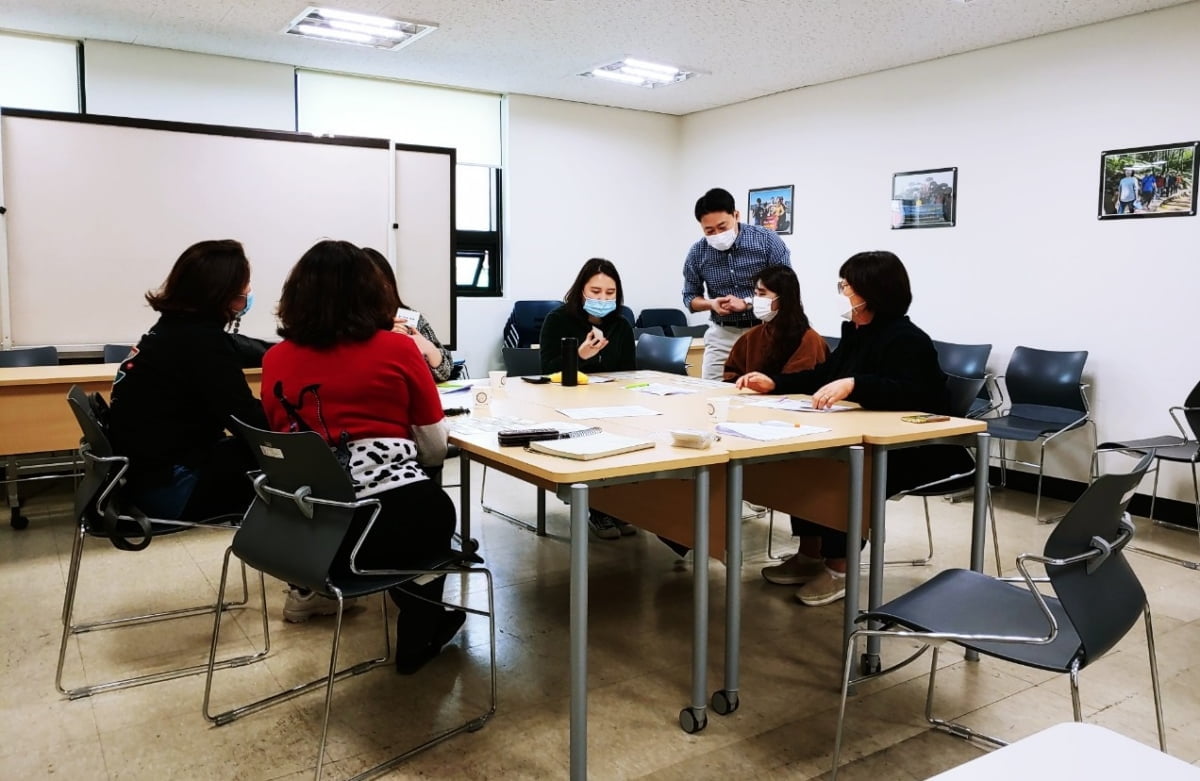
(333, 654)
(1037, 502)
(1182, 562)
(841, 721)
(1076, 710)
(1158, 711)
(771, 538)
(68, 610)
(995, 534)
(929, 536)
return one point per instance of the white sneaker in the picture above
(750, 511)
(299, 607)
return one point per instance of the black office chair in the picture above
(627, 313)
(656, 330)
(524, 325)
(662, 353)
(1182, 449)
(1046, 399)
(1096, 600)
(963, 392)
(304, 496)
(690, 331)
(667, 318)
(16, 358)
(115, 353)
(101, 511)
(969, 360)
(832, 342)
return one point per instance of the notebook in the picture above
(589, 447)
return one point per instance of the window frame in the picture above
(468, 242)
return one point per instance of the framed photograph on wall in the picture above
(771, 208)
(924, 199)
(1148, 181)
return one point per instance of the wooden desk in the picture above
(34, 416)
(571, 480)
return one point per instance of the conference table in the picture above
(677, 492)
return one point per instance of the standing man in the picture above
(719, 274)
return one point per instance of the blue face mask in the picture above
(249, 303)
(599, 307)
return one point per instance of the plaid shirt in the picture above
(733, 271)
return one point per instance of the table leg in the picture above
(694, 717)
(541, 513)
(879, 456)
(853, 551)
(579, 621)
(468, 546)
(725, 700)
(979, 509)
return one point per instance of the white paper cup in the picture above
(482, 397)
(718, 408)
(497, 380)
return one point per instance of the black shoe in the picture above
(413, 655)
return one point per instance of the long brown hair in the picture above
(790, 324)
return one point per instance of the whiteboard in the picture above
(99, 208)
(424, 246)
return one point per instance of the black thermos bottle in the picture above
(570, 362)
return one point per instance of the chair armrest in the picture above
(1179, 424)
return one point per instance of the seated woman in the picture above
(783, 342)
(175, 393)
(592, 303)
(342, 372)
(883, 362)
(437, 356)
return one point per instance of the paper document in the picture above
(586, 413)
(768, 430)
(658, 389)
(797, 405)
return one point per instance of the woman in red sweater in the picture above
(343, 373)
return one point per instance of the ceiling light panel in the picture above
(379, 32)
(639, 73)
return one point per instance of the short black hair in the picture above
(715, 200)
(204, 280)
(594, 266)
(880, 279)
(334, 295)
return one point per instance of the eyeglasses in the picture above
(842, 285)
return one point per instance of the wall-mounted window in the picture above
(477, 262)
(39, 73)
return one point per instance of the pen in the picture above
(637, 385)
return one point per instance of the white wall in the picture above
(583, 181)
(1028, 263)
(139, 81)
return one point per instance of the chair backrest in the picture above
(690, 331)
(627, 313)
(1046, 378)
(663, 317)
(832, 342)
(115, 353)
(656, 330)
(663, 353)
(282, 537)
(28, 356)
(1102, 601)
(522, 361)
(964, 360)
(962, 392)
(1192, 411)
(524, 326)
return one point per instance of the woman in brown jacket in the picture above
(784, 342)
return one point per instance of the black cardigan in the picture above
(617, 356)
(172, 400)
(892, 361)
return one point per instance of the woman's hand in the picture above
(828, 395)
(401, 326)
(755, 381)
(591, 345)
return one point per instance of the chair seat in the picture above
(1167, 448)
(982, 605)
(1024, 428)
(352, 585)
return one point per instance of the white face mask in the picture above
(849, 313)
(722, 241)
(763, 310)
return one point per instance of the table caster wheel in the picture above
(18, 521)
(869, 664)
(692, 720)
(724, 702)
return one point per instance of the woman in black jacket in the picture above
(175, 393)
(883, 362)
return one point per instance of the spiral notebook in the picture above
(589, 447)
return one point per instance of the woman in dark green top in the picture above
(593, 301)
